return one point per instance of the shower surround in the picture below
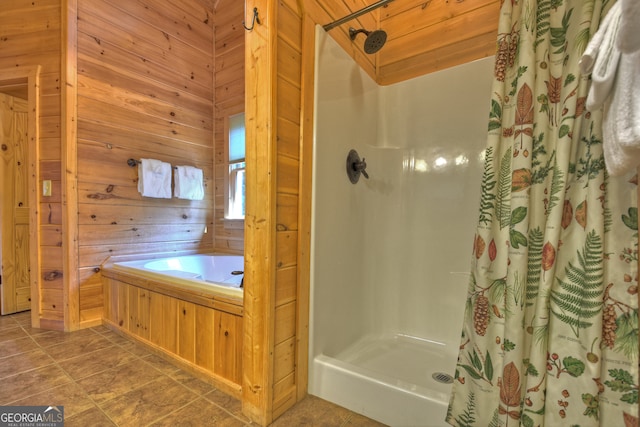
(390, 254)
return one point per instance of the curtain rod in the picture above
(356, 14)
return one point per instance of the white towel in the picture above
(600, 58)
(628, 40)
(154, 178)
(188, 183)
(595, 44)
(615, 85)
(621, 118)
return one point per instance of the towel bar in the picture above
(134, 162)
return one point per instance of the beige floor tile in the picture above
(313, 411)
(93, 417)
(115, 338)
(114, 382)
(104, 379)
(192, 383)
(7, 321)
(199, 413)
(23, 317)
(148, 403)
(23, 362)
(71, 396)
(230, 403)
(17, 346)
(31, 382)
(78, 347)
(4, 326)
(357, 420)
(135, 348)
(52, 338)
(34, 331)
(101, 329)
(12, 333)
(161, 364)
(96, 361)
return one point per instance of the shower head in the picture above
(374, 41)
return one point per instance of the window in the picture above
(236, 175)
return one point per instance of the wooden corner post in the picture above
(69, 156)
(260, 213)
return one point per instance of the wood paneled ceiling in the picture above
(422, 36)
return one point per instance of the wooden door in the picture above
(14, 208)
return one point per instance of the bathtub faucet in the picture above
(237, 273)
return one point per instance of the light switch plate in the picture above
(46, 187)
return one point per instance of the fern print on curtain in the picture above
(550, 334)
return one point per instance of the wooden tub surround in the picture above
(201, 331)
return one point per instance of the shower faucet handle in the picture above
(362, 166)
(356, 167)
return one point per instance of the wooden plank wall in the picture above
(287, 121)
(228, 100)
(271, 375)
(30, 36)
(260, 212)
(145, 90)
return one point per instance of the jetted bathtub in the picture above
(218, 273)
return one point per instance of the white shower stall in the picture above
(391, 253)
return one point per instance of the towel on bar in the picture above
(188, 183)
(615, 86)
(154, 178)
(628, 40)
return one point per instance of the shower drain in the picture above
(441, 377)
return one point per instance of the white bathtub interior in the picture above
(222, 273)
(391, 254)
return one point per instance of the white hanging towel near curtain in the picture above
(621, 119)
(188, 183)
(615, 85)
(600, 58)
(154, 178)
(628, 40)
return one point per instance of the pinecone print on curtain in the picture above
(609, 326)
(506, 55)
(481, 315)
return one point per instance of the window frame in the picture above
(230, 222)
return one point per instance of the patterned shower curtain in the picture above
(550, 335)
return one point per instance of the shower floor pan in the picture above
(389, 378)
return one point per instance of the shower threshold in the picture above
(388, 378)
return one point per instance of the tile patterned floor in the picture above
(103, 379)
